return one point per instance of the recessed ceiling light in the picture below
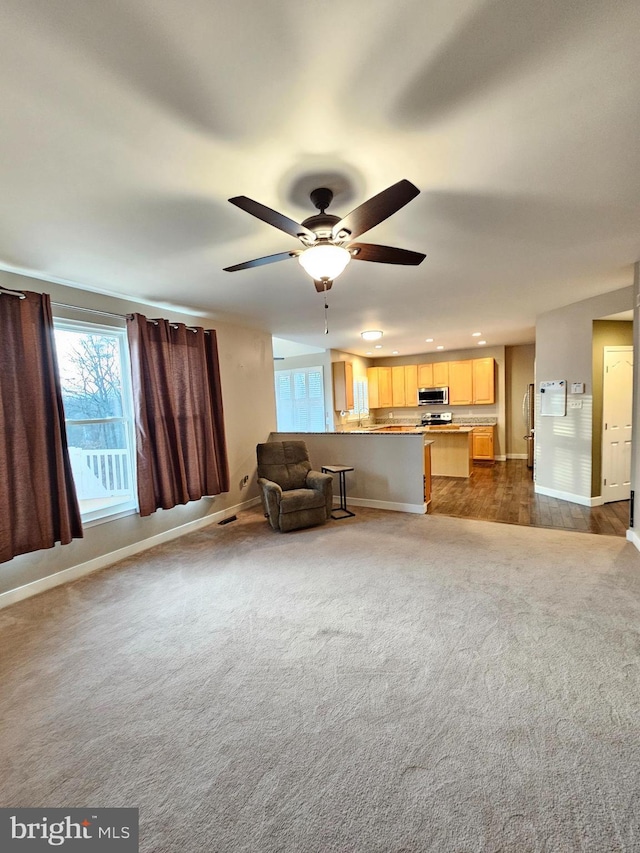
(371, 335)
(440, 347)
(369, 353)
(428, 340)
(476, 334)
(395, 352)
(378, 346)
(481, 343)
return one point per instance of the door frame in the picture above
(607, 350)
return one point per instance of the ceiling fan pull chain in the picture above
(326, 308)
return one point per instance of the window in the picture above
(94, 375)
(300, 399)
(360, 398)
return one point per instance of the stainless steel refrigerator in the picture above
(528, 413)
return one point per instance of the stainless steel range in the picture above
(435, 418)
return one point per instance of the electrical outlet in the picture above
(391, 414)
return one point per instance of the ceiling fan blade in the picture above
(272, 217)
(258, 262)
(375, 210)
(384, 254)
(322, 286)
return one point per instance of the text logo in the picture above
(74, 830)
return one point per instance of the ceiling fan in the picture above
(327, 239)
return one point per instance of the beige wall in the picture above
(246, 370)
(519, 370)
(564, 350)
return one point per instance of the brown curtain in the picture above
(38, 504)
(180, 440)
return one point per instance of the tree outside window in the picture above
(97, 404)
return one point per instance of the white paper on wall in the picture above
(553, 398)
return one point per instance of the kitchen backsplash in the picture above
(458, 418)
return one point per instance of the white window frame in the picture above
(124, 507)
(306, 402)
(360, 400)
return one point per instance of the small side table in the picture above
(341, 471)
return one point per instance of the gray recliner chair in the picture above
(293, 496)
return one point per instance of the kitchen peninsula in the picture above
(392, 469)
(451, 451)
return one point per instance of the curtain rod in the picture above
(92, 310)
(120, 316)
(12, 292)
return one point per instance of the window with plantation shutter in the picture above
(300, 399)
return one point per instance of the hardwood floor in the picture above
(504, 492)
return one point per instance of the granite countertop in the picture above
(458, 420)
(447, 430)
(407, 430)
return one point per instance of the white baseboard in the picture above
(516, 456)
(501, 458)
(568, 496)
(633, 537)
(390, 505)
(73, 573)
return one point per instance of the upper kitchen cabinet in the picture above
(398, 394)
(404, 385)
(433, 375)
(460, 383)
(342, 386)
(472, 383)
(440, 374)
(380, 387)
(483, 381)
(425, 376)
(411, 384)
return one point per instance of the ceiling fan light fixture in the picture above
(324, 262)
(371, 335)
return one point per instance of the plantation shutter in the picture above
(300, 399)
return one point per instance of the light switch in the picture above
(575, 404)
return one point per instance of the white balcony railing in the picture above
(100, 473)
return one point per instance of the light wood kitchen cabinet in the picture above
(440, 374)
(380, 388)
(411, 384)
(434, 375)
(425, 376)
(483, 443)
(342, 386)
(461, 383)
(471, 382)
(483, 381)
(398, 395)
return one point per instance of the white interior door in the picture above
(617, 398)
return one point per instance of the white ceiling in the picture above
(127, 126)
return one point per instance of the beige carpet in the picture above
(385, 684)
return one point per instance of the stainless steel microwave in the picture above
(433, 396)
